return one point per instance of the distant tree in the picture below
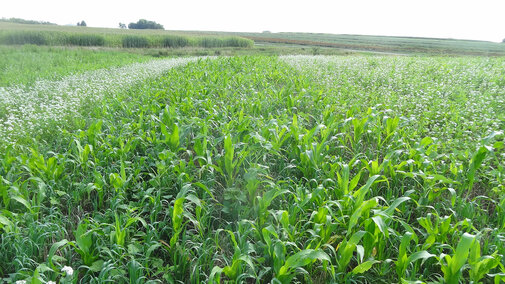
(23, 21)
(503, 40)
(81, 23)
(122, 26)
(145, 24)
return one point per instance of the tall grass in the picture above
(42, 37)
(175, 41)
(23, 37)
(86, 40)
(135, 41)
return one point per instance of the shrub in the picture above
(133, 41)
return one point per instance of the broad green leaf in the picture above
(462, 251)
(6, 224)
(174, 138)
(364, 207)
(359, 195)
(303, 258)
(380, 224)
(365, 266)
(215, 275)
(424, 255)
(23, 201)
(55, 247)
(396, 203)
(228, 155)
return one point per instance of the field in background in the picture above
(377, 44)
(17, 34)
(201, 42)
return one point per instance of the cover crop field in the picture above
(295, 169)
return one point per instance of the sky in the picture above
(462, 19)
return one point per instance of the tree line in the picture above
(142, 24)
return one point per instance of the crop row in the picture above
(256, 169)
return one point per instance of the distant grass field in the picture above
(215, 42)
(15, 34)
(382, 44)
(26, 64)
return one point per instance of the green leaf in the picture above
(426, 141)
(380, 224)
(364, 207)
(302, 258)
(177, 217)
(96, 266)
(23, 201)
(205, 188)
(475, 164)
(346, 249)
(396, 203)
(424, 255)
(359, 195)
(173, 140)
(365, 266)
(55, 247)
(228, 155)
(6, 224)
(215, 275)
(462, 251)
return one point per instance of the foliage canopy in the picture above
(145, 24)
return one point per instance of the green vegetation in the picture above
(380, 44)
(260, 169)
(17, 34)
(145, 24)
(27, 64)
(23, 21)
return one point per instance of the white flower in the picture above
(68, 270)
(21, 282)
(27, 110)
(51, 282)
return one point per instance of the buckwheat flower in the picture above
(29, 110)
(51, 282)
(68, 270)
(21, 282)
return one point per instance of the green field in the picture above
(27, 64)
(54, 35)
(176, 43)
(291, 169)
(376, 44)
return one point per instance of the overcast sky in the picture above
(480, 20)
